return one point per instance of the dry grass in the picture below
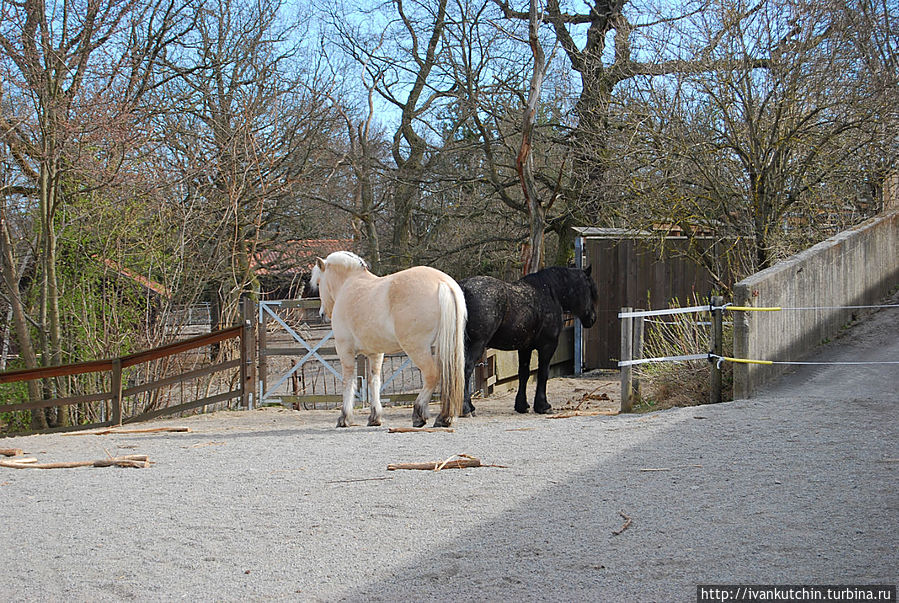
(669, 384)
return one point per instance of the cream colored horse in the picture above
(420, 311)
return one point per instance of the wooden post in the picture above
(627, 341)
(717, 331)
(116, 391)
(578, 327)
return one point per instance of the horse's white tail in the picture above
(450, 346)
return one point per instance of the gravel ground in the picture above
(796, 486)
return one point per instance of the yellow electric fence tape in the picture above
(745, 360)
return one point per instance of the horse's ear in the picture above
(320, 263)
(588, 270)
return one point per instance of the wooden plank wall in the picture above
(629, 273)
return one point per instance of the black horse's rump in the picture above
(525, 315)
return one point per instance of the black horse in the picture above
(525, 315)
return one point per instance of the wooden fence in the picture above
(499, 368)
(117, 393)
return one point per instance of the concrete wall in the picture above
(856, 267)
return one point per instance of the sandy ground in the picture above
(796, 486)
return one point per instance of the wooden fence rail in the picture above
(118, 393)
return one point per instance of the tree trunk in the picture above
(404, 201)
(20, 321)
(524, 162)
(364, 222)
(49, 189)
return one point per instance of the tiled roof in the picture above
(295, 257)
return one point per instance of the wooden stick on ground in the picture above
(627, 524)
(116, 430)
(11, 451)
(131, 460)
(583, 413)
(464, 461)
(358, 479)
(420, 429)
(670, 468)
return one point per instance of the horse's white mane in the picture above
(346, 259)
(343, 259)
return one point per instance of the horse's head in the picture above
(587, 297)
(329, 274)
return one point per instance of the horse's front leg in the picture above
(348, 364)
(374, 388)
(524, 373)
(544, 357)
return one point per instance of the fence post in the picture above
(361, 379)
(578, 327)
(717, 331)
(247, 354)
(627, 341)
(116, 391)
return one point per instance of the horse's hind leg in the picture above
(374, 388)
(544, 356)
(473, 353)
(429, 377)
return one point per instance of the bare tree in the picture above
(774, 152)
(406, 63)
(245, 139)
(523, 162)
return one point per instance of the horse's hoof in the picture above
(469, 414)
(543, 410)
(522, 409)
(374, 422)
(441, 422)
(342, 422)
(418, 422)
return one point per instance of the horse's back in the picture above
(415, 291)
(487, 302)
(507, 316)
(385, 313)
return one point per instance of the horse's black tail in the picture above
(451, 348)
